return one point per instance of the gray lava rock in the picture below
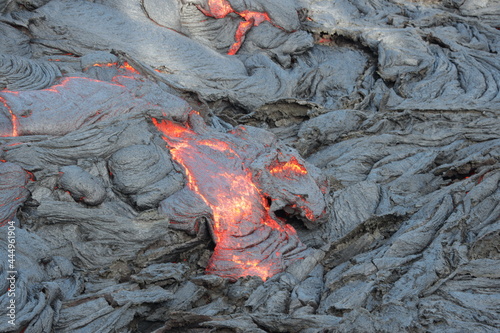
(13, 192)
(136, 167)
(82, 185)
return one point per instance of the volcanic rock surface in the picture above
(250, 166)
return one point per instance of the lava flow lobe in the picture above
(249, 239)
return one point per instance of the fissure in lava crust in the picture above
(249, 241)
(221, 8)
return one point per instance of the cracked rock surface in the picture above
(391, 105)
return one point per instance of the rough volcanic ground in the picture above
(369, 128)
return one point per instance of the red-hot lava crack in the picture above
(221, 8)
(13, 119)
(249, 239)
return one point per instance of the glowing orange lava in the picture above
(218, 8)
(221, 8)
(215, 171)
(129, 68)
(124, 66)
(13, 118)
(239, 36)
(287, 169)
(109, 64)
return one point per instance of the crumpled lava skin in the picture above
(13, 192)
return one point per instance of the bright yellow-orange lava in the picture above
(221, 8)
(218, 8)
(252, 267)
(129, 68)
(239, 36)
(215, 171)
(287, 169)
(124, 66)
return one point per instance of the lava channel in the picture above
(248, 240)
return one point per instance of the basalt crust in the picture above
(249, 166)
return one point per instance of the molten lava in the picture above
(287, 169)
(221, 8)
(13, 119)
(249, 241)
(125, 66)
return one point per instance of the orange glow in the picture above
(218, 8)
(252, 268)
(110, 64)
(239, 36)
(221, 8)
(287, 169)
(14, 124)
(57, 87)
(31, 176)
(129, 68)
(124, 66)
(256, 17)
(13, 118)
(215, 171)
(174, 129)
